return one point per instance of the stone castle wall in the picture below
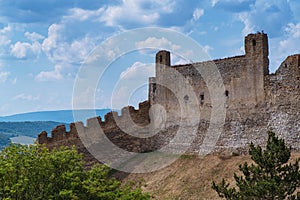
(113, 128)
(180, 101)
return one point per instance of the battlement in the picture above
(256, 101)
(111, 121)
(59, 133)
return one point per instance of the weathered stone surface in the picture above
(181, 100)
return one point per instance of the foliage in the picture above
(34, 172)
(271, 177)
(4, 140)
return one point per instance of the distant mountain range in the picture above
(65, 116)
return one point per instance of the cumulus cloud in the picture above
(153, 42)
(4, 76)
(6, 29)
(249, 27)
(214, 2)
(80, 14)
(50, 75)
(133, 79)
(293, 30)
(179, 61)
(34, 36)
(65, 53)
(58, 49)
(198, 13)
(54, 37)
(4, 36)
(32, 11)
(138, 70)
(143, 12)
(270, 16)
(207, 49)
(24, 49)
(288, 44)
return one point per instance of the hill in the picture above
(190, 177)
(65, 116)
(30, 129)
(32, 123)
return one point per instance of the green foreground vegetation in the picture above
(34, 172)
(271, 177)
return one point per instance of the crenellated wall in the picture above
(114, 127)
(255, 101)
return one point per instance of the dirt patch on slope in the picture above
(190, 177)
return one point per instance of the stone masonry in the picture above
(183, 100)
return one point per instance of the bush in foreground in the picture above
(271, 177)
(34, 172)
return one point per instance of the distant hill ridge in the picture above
(64, 116)
(32, 123)
(10, 130)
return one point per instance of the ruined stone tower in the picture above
(243, 77)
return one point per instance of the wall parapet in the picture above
(112, 120)
(256, 101)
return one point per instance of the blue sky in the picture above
(44, 43)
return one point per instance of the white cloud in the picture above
(26, 97)
(34, 36)
(24, 49)
(4, 76)
(248, 26)
(136, 12)
(153, 42)
(181, 61)
(198, 13)
(6, 29)
(80, 14)
(133, 79)
(138, 70)
(288, 45)
(54, 37)
(4, 40)
(50, 75)
(115, 14)
(80, 48)
(207, 49)
(214, 2)
(270, 16)
(59, 50)
(4, 35)
(293, 30)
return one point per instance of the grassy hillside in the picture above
(190, 177)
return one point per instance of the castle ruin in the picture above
(181, 97)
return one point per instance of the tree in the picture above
(34, 172)
(271, 177)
